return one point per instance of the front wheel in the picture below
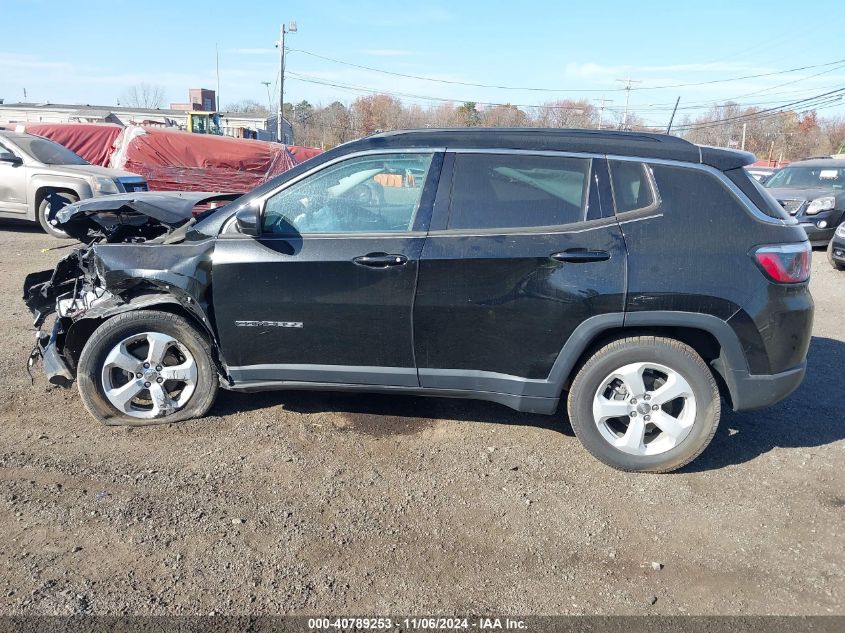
(146, 367)
(645, 404)
(48, 207)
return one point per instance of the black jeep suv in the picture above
(637, 275)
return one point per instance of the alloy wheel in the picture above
(149, 375)
(644, 408)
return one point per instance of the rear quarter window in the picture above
(755, 192)
(693, 191)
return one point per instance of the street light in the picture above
(266, 84)
(291, 28)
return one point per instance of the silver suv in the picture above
(38, 177)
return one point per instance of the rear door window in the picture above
(632, 186)
(501, 191)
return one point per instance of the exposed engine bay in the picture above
(139, 251)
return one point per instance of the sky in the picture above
(90, 51)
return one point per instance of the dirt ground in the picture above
(315, 503)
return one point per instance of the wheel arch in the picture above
(79, 331)
(40, 187)
(711, 337)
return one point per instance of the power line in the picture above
(826, 98)
(536, 89)
(356, 88)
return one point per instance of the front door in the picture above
(325, 294)
(526, 250)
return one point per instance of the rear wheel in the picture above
(645, 404)
(146, 367)
(837, 265)
(51, 203)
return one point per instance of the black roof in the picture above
(832, 163)
(639, 144)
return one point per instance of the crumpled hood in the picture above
(133, 216)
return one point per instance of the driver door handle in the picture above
(580, 255)
(381, 260)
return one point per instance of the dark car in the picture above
(638, 276)
(813, 191)
(836, 248)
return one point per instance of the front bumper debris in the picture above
(55, 367)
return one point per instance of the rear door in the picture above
(523, 248)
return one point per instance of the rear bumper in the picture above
(750, 391)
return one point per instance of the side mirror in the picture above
(11, 159)
(248, 219)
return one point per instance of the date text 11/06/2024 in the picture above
(422, 623)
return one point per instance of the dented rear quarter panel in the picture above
(710, 269)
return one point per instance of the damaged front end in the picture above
(142, 252)
(67, 290)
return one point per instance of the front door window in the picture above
(376, 193)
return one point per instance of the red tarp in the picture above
(94, 142)
(302, 154)
(178, 161)
(171, 160)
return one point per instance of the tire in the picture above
(691, 418)
(146, 335)
(44, 208)
(837, 265)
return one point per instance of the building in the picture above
(201, 99)
(238, 124)
(287, 129)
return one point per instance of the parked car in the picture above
(836, 248)
(637, 276)
(760, 174)
(812, 191)
(38, 177)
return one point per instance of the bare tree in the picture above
(143, 95)
(566, 113)
(248, 106)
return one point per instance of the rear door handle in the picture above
(381, 260)
(580, 256)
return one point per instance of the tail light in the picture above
(785, 263)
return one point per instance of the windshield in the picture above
(808, 178)
(48, 152)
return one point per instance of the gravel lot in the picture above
(314, 503)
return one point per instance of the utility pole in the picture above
(601, 110)
(627, 83)
(217, 56)
(672, 118)
(280, 114)
(744, 128)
